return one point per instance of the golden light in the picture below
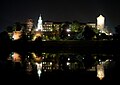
(37, 34)
(16, 57)
(17, 35)
(36, 58)
(100, 71)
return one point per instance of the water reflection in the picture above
(15, 57)
(100, 71)
(38, 64)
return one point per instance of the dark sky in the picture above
(12, 11)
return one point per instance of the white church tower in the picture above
(100, 23)
(39, 25)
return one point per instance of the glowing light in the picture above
(36, 58)
(107, 60)
(16, 57)
(68, 30)
(68, 34)
(16, 35)
(100, 71)
(68, 59)
(39, 73)
(51, 30)
(43, 53)
(68, 63)
(39, 68)
(100, 22)
(110, 34)
(37, 34)
(39, 25)
(42, 57)
(99, 60)
(44, 62)
(50, 63)
(34, 55)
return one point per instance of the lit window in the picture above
(50, 63)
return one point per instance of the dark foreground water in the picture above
(72, 67)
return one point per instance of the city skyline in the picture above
(60, 10)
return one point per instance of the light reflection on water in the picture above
(38, 63)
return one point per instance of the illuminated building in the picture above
(57, 25)
(48, 26)
(93, 25)
(51, 30)
(49, 62)
(30, 25)
(29, 31)
(39, 25)
(101, 25)
(57, 61)
(100, 22)
(39, 68)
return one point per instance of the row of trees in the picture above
(78, 31)
(81, 31)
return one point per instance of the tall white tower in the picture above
(39, 25)
(100, 23)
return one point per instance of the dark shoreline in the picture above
(80, 46)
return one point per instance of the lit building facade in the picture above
(49, 62)
(50, 30)
(100, 23)
(93, 25)
(48, 26)
(39, 25)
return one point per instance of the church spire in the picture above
(39, 25)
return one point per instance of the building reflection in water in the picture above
(38, 62)
(100, 71)
(49, 62)
(15, 57)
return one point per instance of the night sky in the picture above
(12, 11)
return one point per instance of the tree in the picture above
(63, 33)
(9, 29)
(75, 26)
(17, 26)
(88, 33)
